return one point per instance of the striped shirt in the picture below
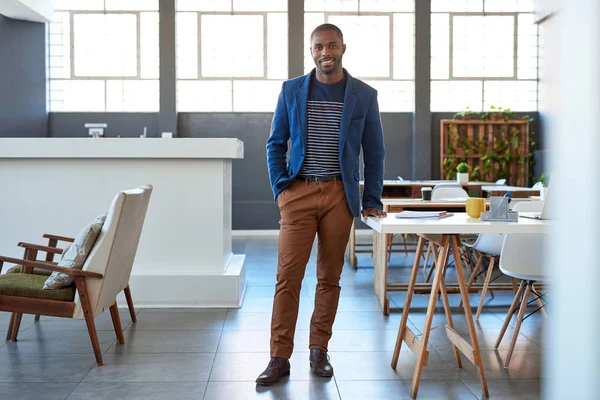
(325, 105)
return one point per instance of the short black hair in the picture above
(328, 27)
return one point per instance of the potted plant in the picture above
(462, 173)
(544, 180)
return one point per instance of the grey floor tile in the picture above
(166, 367)
(266, 304)
(36, 391)
(523, 365)
(42, 339)
(29, 367)
(26, 322)
(170, 353)
(485, 337)
(239, 367)
(102, 321)
(363, 303)
(356, 320)
(268, 291)
(138, 341)
(400, 390)
(180, 320)
(257, 341)
(283, 390)
(513, 389)
(139, 391)
(244, 321)
(368, 366)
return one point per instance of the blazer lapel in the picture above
(347, 111)
(301, 96)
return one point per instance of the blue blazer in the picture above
(360, 127)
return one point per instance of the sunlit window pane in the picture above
(387, 5)
(203, 5)
(527, 50)
(330, 5)
(132, 95)
(456, 5)
(149, 50)
(88, 61)
(394, 96)
(277, 46)
(79, 95)
(404, 46)
(255, 96)
(456, 95)
(226, 55)
(207, 96)
(516, 95)
(105, 45)
(483, 46)
(364, 56)
(509, 5)
(187, 45)
(259, 5)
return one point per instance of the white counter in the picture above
(184, 258)
(120, 148)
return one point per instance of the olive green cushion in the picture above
(36, 271)
(31, 285)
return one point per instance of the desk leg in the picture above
(380, 266)
(407, 301)
(351, 248)
(435, 288)
(468, 314)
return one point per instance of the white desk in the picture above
(450, 228)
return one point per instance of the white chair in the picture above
(521, 258)
(501, 182)
(104, 275)
(448, 191)
(490, 245)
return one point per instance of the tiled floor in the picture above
(217, 354)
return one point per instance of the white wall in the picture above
(572, 368)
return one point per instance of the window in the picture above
(103, 56)
(231, 55)
(379, 35)
(483, 53)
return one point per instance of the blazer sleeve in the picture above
(374, 156)
(277, 143)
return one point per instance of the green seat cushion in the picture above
(36, 271)
(31, 285)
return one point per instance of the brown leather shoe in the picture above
(319, 363)
(277, 369)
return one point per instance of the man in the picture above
(328, 116)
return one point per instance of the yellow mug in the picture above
(475, 206)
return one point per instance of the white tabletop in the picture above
(457, 223)
(491, 188)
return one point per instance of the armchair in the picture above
(104, 275)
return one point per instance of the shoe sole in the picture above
(319, 375)
(287, 373)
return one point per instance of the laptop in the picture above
(542, 215)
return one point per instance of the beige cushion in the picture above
(76, 255)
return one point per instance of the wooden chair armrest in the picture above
(59, 238)
(33, 264)
(38, 247)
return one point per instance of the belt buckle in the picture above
(317, 178)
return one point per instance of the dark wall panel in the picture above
(22, 78)
(119, 124)
(253, 205)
